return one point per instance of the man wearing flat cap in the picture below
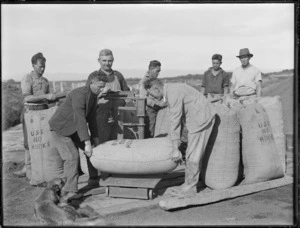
(215, 81)
(246, 79)
(108, 109)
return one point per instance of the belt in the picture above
(41, 185)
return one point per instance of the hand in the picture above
(161, 104)
(88, 151)
(177, 156)
(51, 97)
(104, 92)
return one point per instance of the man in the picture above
(246, 79)
(108, 109)
(153, 106)
(215, 80)
(70, 131)
(35, 89)
(188, 104)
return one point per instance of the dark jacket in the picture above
(74, 113)
(123, 84)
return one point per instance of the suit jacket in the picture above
(188, 103)
(74, 113)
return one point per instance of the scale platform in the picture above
(141, 186)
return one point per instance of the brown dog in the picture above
(50, 210)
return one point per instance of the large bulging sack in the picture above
(273, 106)
(259, 153)
(221, 161)
(130, 156)
(46, 163)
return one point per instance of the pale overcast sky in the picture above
(182, 36)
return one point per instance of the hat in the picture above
(244, 51)
(217, 56)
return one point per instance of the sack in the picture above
(46, 163)
(221, 161)
(259, 153)
(131, 156)
(163, 122)
(273, 107)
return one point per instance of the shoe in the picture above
(184, 191)
(93, 182)
(20, 173)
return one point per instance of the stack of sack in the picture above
(247, 142)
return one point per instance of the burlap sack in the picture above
(221, 162)
(46, 163)
(273, 107)
(130, 156)
(259, 153)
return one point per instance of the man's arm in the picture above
(26, 87)
(226, 83)
(258, 89)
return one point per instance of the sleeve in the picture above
(26, 85)
(176, 108)
(92, 121)
(204, 80)
(226, 79)
(258, 76)
(124, 86)
(79, 106)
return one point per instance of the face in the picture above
(106, 62)
(97, 87)
(156, 93)
(39, 67)
(216, 64)
(245, 60)
(154, 72)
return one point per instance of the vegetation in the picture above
(12, 104)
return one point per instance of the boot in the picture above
(28, 164)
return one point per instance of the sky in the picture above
(183, 37)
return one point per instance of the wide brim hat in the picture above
(244, 52)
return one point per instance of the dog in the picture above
(51, 210)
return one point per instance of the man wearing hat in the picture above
(246, 79)
(215, 81)
(108, 109)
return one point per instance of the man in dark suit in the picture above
(70, 126)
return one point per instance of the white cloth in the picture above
(245, 80)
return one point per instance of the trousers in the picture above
(67, 147)
(195, 152)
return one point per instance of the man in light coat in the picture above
(187, 103)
